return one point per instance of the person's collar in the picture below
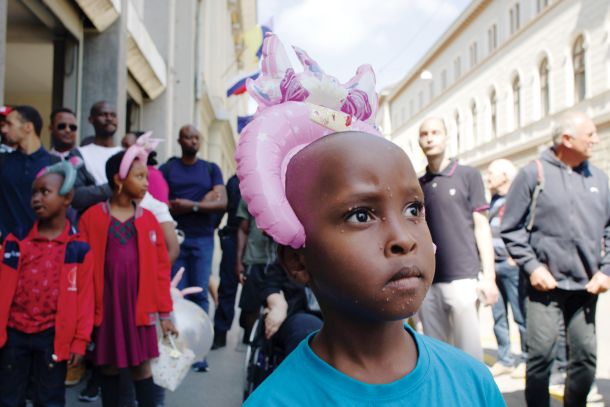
(448, 171)
(62, 238)
(63, 155)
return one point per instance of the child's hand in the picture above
(75, 359)
(167, 327)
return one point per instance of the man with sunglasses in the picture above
(63, 129)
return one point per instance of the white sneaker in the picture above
(594, 396)
(519, 371)
(499, 369)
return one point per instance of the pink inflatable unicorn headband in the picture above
(295, 109)
(140, 150)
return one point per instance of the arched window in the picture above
(544, 87)
(578, 61)
(517, 102)
(493, 105)
(473, 112)
(457, 131)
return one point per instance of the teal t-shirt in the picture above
(443, 376)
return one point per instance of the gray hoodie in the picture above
(572, 221)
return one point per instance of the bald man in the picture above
(561, 254)
(456, 212)
(500, 175)
(196, 193)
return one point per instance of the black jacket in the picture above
(572, 221)
(86, 193)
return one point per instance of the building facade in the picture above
(163, 63)
(502, 74)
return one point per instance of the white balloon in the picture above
(194, 326)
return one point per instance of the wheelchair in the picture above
(262, 357)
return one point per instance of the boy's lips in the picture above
(408, 277)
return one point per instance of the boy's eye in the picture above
(414, 209)
(359, 215)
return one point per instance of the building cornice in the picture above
(102, 13)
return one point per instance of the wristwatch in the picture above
(196, 207)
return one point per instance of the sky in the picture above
(391, 35)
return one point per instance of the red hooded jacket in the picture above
(154, 268)
(74, 317)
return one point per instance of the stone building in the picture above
(500, 76)
(163, 63)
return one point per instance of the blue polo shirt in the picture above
(17, 173)
(451, 198)
(192, 182)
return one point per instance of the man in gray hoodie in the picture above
(558, 242)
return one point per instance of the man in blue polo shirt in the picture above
(196, 193)
(19, 168)
(456, 214)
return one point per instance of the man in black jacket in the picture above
(557, 242)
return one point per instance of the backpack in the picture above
(537, 190)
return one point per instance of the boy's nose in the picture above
(400, 241)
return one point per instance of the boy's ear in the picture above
(293, 262)
(68, 198)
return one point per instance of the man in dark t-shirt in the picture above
(456, 214)
(196, 191)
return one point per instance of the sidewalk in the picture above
(513, 389)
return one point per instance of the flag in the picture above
(242, 121)
(253, 43)
(238, 85)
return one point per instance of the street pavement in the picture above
(222, 385)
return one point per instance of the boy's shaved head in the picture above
(368, 250)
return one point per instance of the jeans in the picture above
(545, 310)
(196, 258)
(27, 358)
(223, 318)
(511, 285)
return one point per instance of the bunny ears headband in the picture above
(66, 168)
(295, 109)
(144, 145)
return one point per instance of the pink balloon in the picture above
(294, 110)
(265, 148)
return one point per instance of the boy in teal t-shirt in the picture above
(347, 211)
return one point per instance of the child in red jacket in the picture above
(131, 278)
(46, 296)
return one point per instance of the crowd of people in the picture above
(92, 234)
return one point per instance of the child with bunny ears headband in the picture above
(346, 207)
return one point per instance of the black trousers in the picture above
(545, 311)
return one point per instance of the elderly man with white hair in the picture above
(500, 175)
(562, 243)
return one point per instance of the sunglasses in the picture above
(62, 126)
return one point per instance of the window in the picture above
(457, 130)
(421, 100)
(578, 60)
(517, 101)
(444, 80)
(515, 18)
(403, 115)
(475, 122)
(473, 54)
(431, 89)
(493, 105)
(541, 4)
(492, 38)
(544, 87)
(457, 68)
(411, 108)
